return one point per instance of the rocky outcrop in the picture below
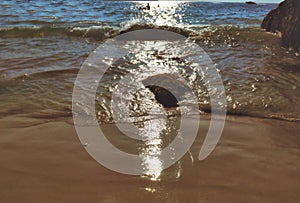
(250, 2)
(286, 20)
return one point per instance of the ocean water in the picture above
(44, 43)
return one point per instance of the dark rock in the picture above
(250, 2)
(286, 20)
(163, 96)
(167, 88)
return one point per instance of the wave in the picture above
(97, 33)
(101, 32)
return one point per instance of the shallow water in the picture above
(94, 12)
(43, 45)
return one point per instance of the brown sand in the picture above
(256, 160)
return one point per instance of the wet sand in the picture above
(256, 160)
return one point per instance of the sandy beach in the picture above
(242, 69)
(255, 160)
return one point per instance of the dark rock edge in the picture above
(286, 20)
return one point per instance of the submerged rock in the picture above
(168, 90)
(163, 96)
(286, 20)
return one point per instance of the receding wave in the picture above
(97, 33)
(94, 32)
